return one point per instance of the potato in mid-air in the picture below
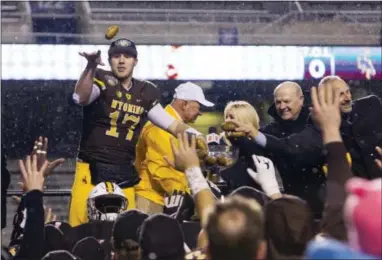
(111, 32)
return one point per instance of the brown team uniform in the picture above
(111, 127)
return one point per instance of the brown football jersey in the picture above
(113, 122)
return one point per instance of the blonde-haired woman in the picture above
(242, 112)
(246, 115)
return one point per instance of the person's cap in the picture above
(60, 255)
(192, 92)
(89, 248)
(161, 238)
(67, 231)
(126, 226)
(97, 229)
(63, 226)
(53, 239)
(107, 248)
(123, 46)
(251, 193)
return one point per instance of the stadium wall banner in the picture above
(163, 62)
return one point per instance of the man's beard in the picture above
(346, 107)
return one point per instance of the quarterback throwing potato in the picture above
(115, 108)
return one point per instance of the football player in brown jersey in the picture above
(115, 108)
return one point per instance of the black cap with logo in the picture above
(123, 46)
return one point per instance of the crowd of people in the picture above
(307, 185)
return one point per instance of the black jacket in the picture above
(236, 176)
(284, 128)
(28, 231)
(302, 175)
(361, 131)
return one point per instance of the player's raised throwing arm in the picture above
(158, 116)
(85, 92)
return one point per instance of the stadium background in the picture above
(33, 105)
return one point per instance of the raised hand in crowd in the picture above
(326, 112)
(93, 58)
(379, 161)
(29, 221)
(265, 175)
(32, 176)
(40, 149)
(185, 154)
(186, 159)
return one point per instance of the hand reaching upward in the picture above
(185, 154)
(40, 149)
(94, 58)
(326, 111)
(33, 178)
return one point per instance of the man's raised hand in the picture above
(326, 107)
(40, 149)
(185, 153)
(33, 178)
(326, 112)
(93, 58)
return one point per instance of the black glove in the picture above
(172, 202)
(179, 205)
(186, 209)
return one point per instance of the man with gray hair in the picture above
(158, 178)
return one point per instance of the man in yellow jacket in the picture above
(157, 177)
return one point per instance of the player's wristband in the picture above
(196, 180)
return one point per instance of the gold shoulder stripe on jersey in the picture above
(99, 83)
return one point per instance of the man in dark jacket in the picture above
(361, 130)
(290, 116)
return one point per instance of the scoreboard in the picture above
(346, 62)
(191, 62)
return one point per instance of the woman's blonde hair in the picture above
(244, 112)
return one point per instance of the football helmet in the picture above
(106, 201)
